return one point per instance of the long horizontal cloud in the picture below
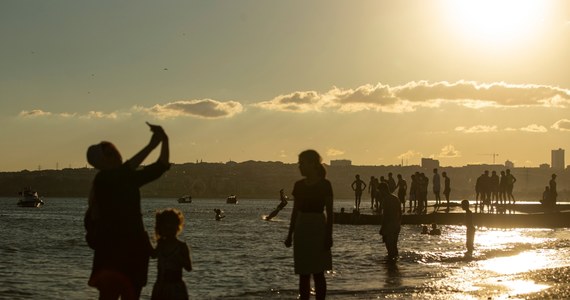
(205, 108)
(35, 113)
(409, 97)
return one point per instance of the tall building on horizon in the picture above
(430, 163)
(557, 159)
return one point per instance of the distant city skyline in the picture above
(379, 82)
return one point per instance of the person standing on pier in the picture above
(510, 185)
(436, 187)
(446, 188)
(391, 221)
(402, 187)
(358, 186)
(553, 191)
(372, 191)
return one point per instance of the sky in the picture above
(375, 82)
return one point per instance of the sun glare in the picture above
(497, 22)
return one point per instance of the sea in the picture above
(43, 255)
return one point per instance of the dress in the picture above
(309, 251)
(169, 284)
(122, 246)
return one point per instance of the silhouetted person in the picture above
(553, 191)
(413, 192)
(219, 214)
(494, 187)
(503, 188)
(482, 191)
(434, 230)
(372, 191)
(172, 254)
(310, 230)
(546, 197)
(446, 188)
(376, 206)
(510, 186)
(358, 186)
(435, 182)
(425, 229)
(114, 222)
(470, 234)
(279, 207)
(391, 221)
(391, 182)
(402, 187)
(423, 183)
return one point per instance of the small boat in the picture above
(232, 199)
(185, 199)
(29, 198)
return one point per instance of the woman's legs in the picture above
(320, 285)
(304, 286)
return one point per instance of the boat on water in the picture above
(185, 199)
(525, 217)
(29, 198)
(232, 199)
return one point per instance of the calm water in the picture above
(43, 256)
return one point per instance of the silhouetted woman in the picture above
(114, 220)
(310, 230)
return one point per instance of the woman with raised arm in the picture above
(113, 220)
(310, 230)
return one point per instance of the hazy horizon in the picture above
(375, 82)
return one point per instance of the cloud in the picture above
(477, 129)
(449, 151)
(562, 125)
(205, 108)
(33, 113)
(89, 115)
(534, 128)
(409, 154)
(334, 152)
(413, 95)
(295, 102)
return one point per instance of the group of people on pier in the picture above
(418, 191)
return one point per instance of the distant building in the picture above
(557, 159)
(509, 164)
(544, 166)
(341, 163)
(430, 163)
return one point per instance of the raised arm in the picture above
(155, 139)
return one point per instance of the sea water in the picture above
(43, 255)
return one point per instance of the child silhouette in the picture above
(173, 255)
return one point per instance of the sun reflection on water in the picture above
(523, 262)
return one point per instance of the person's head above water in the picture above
(104, 156)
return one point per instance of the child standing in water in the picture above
(470, 228)
(173, 256)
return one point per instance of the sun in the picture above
(497, 22)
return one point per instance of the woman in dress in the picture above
(310, 230)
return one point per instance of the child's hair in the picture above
(465, 204)
(169, 223)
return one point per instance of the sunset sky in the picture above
(376, 82)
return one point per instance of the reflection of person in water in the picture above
(219, 214)
(279, 207)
